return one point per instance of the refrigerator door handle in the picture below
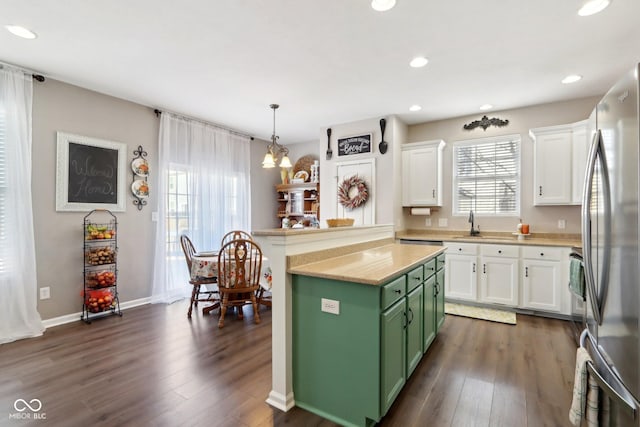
(586, 225)
(627, 403)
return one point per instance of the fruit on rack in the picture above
(99, 300)
(99, 232)
(100, 256)
(101, 279)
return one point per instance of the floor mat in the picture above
(480, 313)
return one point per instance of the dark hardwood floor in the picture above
(154, 367)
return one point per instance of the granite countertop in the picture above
(374, 266)
(535, 239)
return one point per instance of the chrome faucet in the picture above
(473, 231)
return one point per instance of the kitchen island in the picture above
(303, 246)
(361, 324)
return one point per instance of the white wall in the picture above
(387, 194)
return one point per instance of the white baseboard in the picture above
(74, 317)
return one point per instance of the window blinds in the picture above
(487, 177)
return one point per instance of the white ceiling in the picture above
(325, 62)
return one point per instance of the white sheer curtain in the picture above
(19, 316)
(204, 185)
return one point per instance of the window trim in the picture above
(454, 176)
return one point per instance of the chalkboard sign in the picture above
(354, 145)
(93, 174)
(90, 174)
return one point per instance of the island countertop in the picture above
(374, 266)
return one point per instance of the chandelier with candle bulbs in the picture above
(276, 151)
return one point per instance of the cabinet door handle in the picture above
(459, 249)
(411, 313)
(474, 267)
(540, 193)
(398, 291)
(484, 268)
(433, 192)
(404, 326)
(541, 253)
(526, 272)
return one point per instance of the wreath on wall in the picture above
(360, 196)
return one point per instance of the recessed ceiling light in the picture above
(485, 107)
(19, 31)
(382, 5)
(415, 108)
(572, 78)
(419, 61)
(591, 7)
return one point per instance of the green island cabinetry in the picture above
(350, 367)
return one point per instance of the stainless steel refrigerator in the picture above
(610, 218)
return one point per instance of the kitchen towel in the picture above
(576, 277)
(585, 393)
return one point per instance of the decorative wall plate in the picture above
(140, 167)
(140, 188)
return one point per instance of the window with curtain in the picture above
(204, 180)
(487, 176)
(19, 317)
(3, 191)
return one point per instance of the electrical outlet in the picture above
(562, 224)
(330, 306)
(427, 222)
(45, 293)
(443, 222)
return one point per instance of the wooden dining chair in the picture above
(239, 266)
(204, 289)
(234, 235)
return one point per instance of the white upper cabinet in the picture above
(422, 173)
(559, 161)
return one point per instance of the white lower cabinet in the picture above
(461, 278)
(542, 278)
(499, 274)
(529, 277)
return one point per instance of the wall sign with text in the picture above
(354, 145)
(90, 174)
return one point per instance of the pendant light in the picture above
(275, 150)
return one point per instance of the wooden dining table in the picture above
(205, 265)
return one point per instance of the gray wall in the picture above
(59, 235)
(541, 218)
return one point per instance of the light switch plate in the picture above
(443, 222)
(562, 224)
(427, 222)
(45, 293)
(330, 306)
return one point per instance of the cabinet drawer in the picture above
(430, 268)
(414, 278)
(542, 253)
(393, 291)
(440, 260)
(462, 248)
(507, 251)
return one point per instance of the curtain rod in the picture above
(158, 112)
(36, 76)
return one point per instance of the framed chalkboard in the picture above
(354, 145)
(90, 174)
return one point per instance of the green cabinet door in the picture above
(429, 317)
(415, 312)
(393, 324)
(439, 299)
